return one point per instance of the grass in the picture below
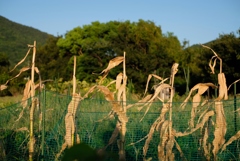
(97, 134)
(9, 100)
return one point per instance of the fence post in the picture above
(235, 106)
(43, 122)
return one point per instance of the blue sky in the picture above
(196, 21)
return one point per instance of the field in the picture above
(94, 130)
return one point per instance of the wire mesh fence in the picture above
(95, 129)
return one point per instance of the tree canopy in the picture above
(147, 49)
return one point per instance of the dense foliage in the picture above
(148, 51)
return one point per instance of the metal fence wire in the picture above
(94, 130)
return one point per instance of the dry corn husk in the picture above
(2, 87)
(223, 91)
(119, 80)
(163, 140)
(70, 123)
(26, 93)
(220, 128)
(112, 63)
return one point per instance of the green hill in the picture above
(14, 38)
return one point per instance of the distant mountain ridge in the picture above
(14, 38)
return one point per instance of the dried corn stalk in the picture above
(121, 123)
(70, 116)
(167, 133)
(220, 125)
(29, 91)
(70, 123)
(117, 109)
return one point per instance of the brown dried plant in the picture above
(167, 133)
(118, 110)
(70, 123)
(71, 114)
(220, 125)
(237, 135)
(29, 91)
(220, 121)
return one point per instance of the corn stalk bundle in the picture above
(122, 120)
(167, 133)
(29, 91)
(237, 135)
(118, 110)
(220, 128)
(220, 122)
(221, 125)
(30, 88)
(70, 123)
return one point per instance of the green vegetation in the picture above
(97, 134)
(148, 51)
(14, 38)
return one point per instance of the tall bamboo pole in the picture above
(125, 83)
(74, 74)
(31, 135)
(73, 95)
(122, 155)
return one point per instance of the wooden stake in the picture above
(125, 83)
(31, 135)
(74, 73)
